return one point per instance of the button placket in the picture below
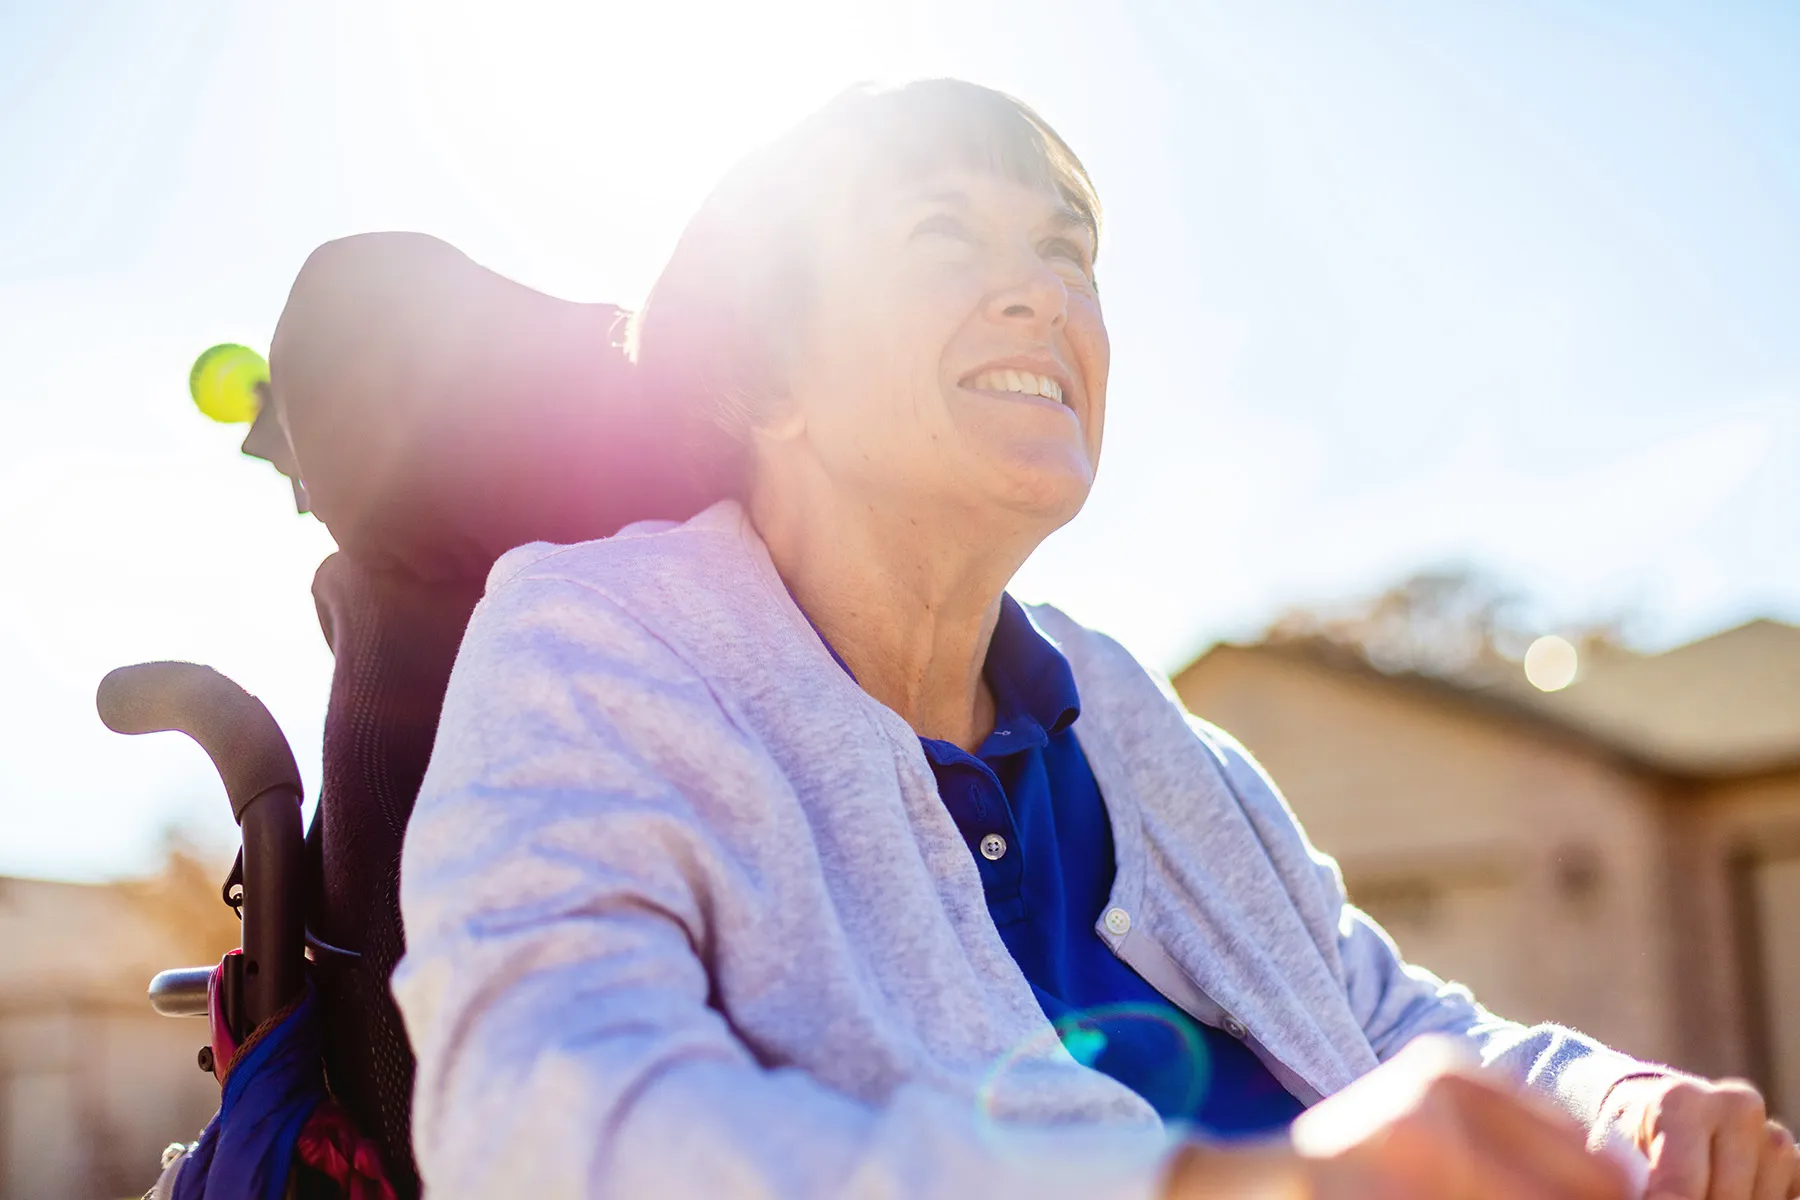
(976, 798)
(993, 838)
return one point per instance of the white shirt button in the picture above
(1235, 1027)
(993, 847)
(1118, 921)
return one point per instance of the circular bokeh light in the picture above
(1551, 663)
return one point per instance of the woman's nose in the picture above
(1033, 292)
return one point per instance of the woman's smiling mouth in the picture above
(1014, 383)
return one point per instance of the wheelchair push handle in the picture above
(263, 783)
(232, 726)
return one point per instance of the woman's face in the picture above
(953, 357)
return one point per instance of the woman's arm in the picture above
(559, 879)
(1397, 1002)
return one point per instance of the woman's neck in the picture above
(908, 600)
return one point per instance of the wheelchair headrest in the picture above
(441, 414)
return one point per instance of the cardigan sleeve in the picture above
(558, 883)
(1396, 1001)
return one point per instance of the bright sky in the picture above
(1390, 285)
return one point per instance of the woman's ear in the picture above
(781, 419)
(776, 444)
(779, 414)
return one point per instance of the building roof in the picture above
(1728, 704)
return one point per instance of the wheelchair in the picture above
(433, 414)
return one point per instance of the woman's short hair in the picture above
(712, 335)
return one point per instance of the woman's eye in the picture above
(942, 225)
(1072, 271)
(1069, 261)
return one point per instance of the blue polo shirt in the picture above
(1031, 812)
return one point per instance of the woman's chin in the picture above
(1049, 486)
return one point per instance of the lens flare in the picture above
(1153, 1049)
(1084, 1045)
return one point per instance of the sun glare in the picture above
(587, 135)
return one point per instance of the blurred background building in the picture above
(93, 1084)
(1616, 847)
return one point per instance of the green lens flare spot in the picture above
(224, 383)
(1085, 1046)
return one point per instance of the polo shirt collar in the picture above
(1031, 679)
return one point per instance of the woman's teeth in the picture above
(1023, 382)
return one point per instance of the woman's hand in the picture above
(1705, 1140)
(1424, 1126)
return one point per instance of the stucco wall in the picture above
(1737, 925)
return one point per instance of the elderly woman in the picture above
(780, 852)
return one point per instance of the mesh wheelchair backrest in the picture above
(439, 415)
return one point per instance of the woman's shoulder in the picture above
(1141, 725)
(710, 542)
(702, 588)
(1125, 691)
(1101, 663)
(667, 575)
